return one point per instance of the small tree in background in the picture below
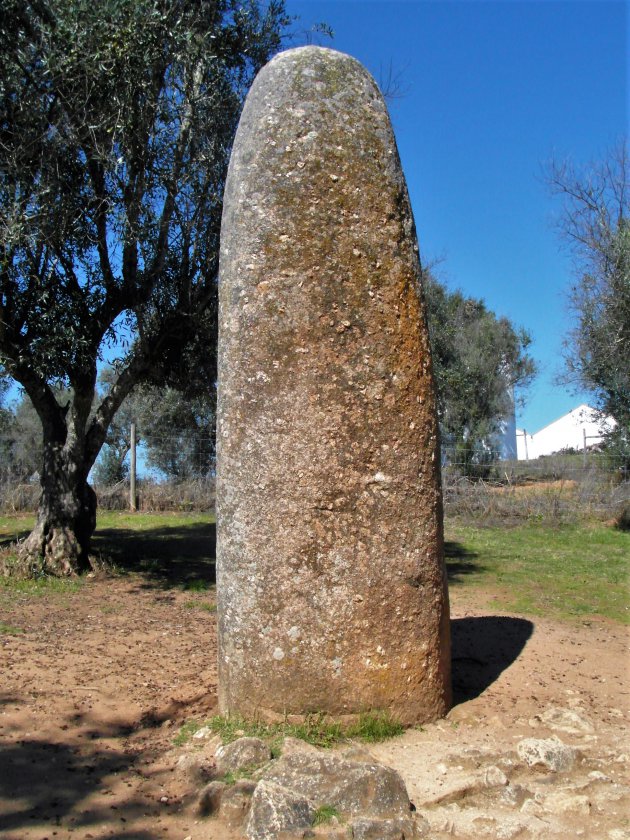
(478, 361)
(595, 225)
(176, 429)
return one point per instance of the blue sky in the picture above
(491, 91)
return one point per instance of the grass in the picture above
(15, 525)
(200, 605)
(317, 729)
(566, 572)
(9, 629)
(186, 732)
(141, 521)
(325, 814)
(40, 586)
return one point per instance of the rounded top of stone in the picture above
(312, 52)
(315, 60)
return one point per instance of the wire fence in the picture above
(558, 488)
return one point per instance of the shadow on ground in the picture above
(8, 541)
(43, 783)
(482, 648)
(460, 562)
(181, 556)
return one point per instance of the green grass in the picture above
(9, 629)
(186, 732)
(317, 729)
(39, 586)
(197, 585)
(141, 521)
(15, 525)
(566, 572)
(200, 605)
(325, 814)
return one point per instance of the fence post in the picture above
(133, 503)
(584, 434)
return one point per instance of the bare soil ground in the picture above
(98, 682)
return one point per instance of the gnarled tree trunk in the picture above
(66, 516)
(66, 519)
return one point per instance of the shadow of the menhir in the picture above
(482, 648)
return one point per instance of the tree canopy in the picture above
(479, 360)
(116, 120)
(177, 431)
(595, 225)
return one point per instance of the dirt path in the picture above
(98, 682)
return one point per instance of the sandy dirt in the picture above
(99, 681)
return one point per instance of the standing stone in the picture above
(331, 586)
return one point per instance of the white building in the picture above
(583, 426)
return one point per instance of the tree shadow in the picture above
(167, 557)
(11, 540)
(43, 782)
(482, 648)
(460, 562)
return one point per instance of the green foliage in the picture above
(595, 224)
(325, 814)
(478, 361)
(176, 429)
(21, 442)
(109, 468)
(372, 727)
(186, 732)
(116, 119)
(317, 729)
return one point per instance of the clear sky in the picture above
(491, 91)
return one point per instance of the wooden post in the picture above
(525, 439)
(584, 435)
(133, 502)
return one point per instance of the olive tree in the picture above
(116, 120)
(479, 360)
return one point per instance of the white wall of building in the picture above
(564, 433)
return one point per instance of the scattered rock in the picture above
(566, 720)
(494, 777)
(359, 753)
(292, 745)
(277, 809)
(515, 795)
(244, 753)
(194, 767)
(563, 801)
(204, 732)
(399, 828)
(531, 806)
(371, 790)
(236, 801)
(209, 799)
(551, 753)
